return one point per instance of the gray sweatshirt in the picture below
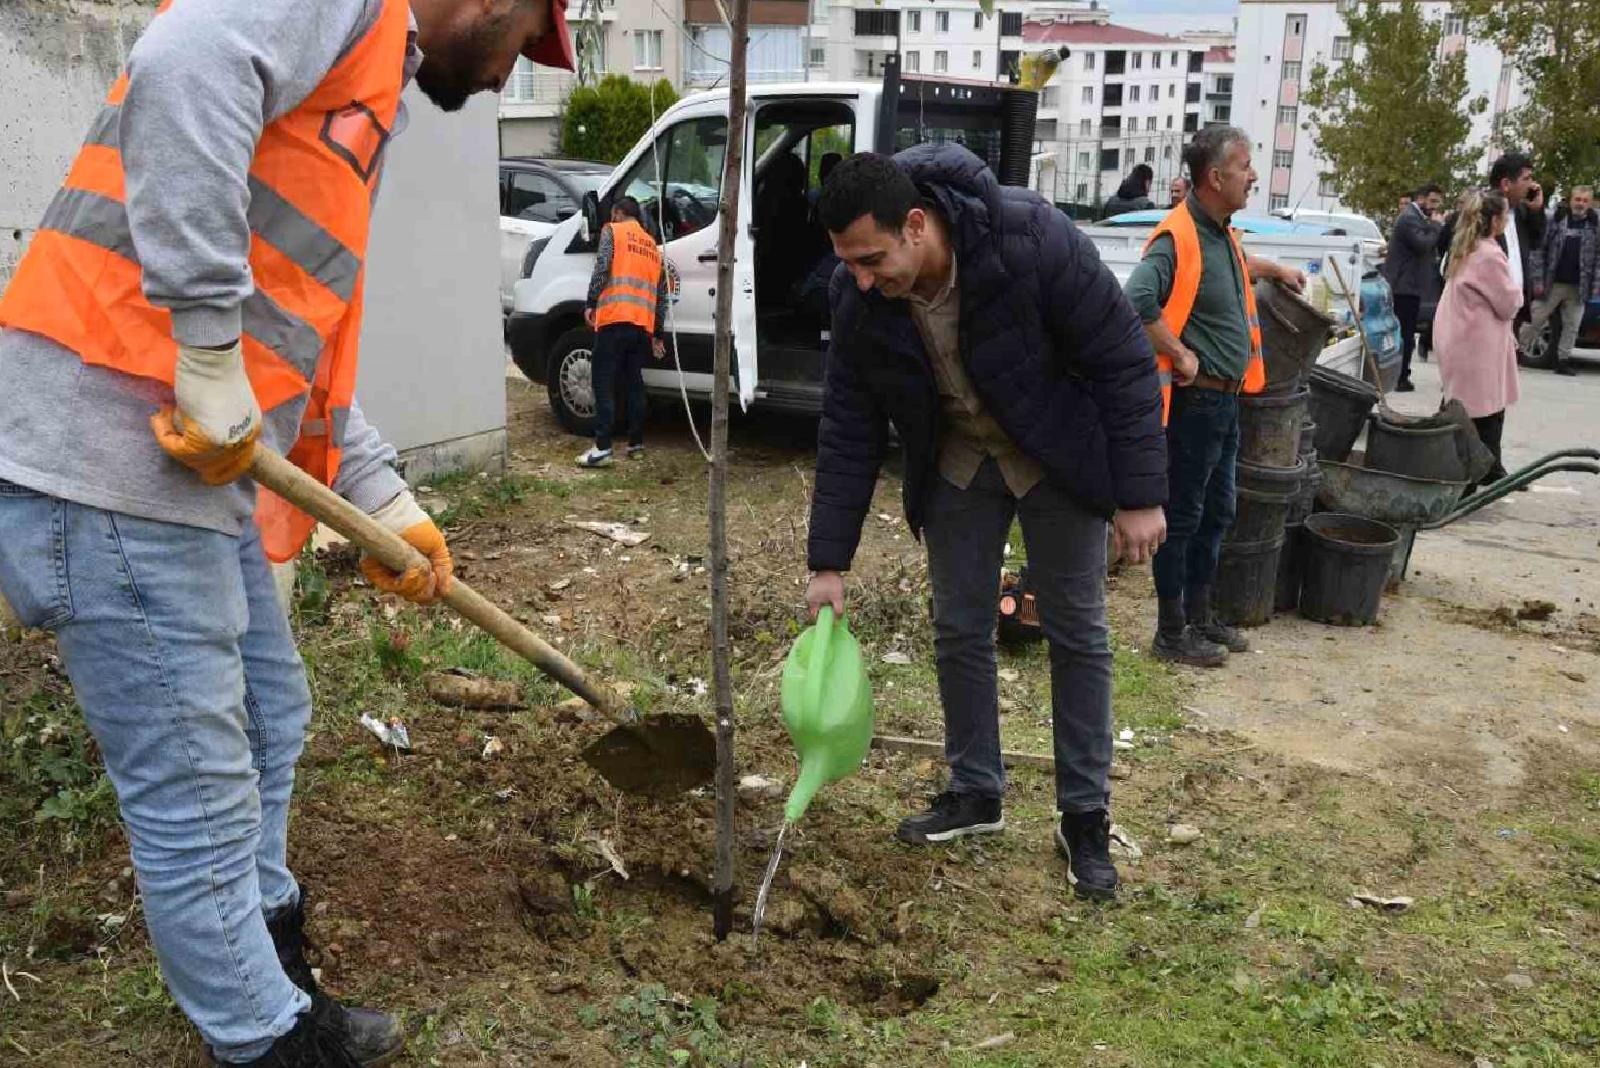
(204, 80)
(602, 275)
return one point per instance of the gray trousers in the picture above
(966, 533)
(1563, 295)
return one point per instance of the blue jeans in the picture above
(966, 532)
(183, 664)
(619, 349)
(1202, 451)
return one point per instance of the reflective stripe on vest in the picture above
(629, 295)
(311, 183)
(1180, 224)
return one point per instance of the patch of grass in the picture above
(55, 781)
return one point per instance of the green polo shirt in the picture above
(1218, 329)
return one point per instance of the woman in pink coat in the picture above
(1472, 326)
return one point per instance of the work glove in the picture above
(214, 427)
(423, 585)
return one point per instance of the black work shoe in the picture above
(1566, 370)
(309, 1045)
(1084, 838)
(1219, 633)
(1188, 646)
(950, 816)
(1405, 386)
(371, 1037)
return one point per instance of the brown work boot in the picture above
(370, 1037)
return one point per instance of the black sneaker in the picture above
(1566, 370)
(1188, 647)
(309, 1045)
(1219, 633)
(950, 816)
(1405, 386)
(1084, 839)
(371, 1037)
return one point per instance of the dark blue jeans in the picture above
(1202, 449)
(619, 349)
(966, 533)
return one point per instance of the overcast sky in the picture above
(1174, 16)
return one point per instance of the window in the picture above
(1283, 159)
(1010, 24)
(1278, 202)
(1191, 122)
(1150, 153)
(1169, 122)
(1166, 151)
(533, 196)
(1191, 93)
(1050, 97)
(977, 59)
(1133, 94)
(1088, 94)
(691, 160)
(1109, 159)
(1224, 84)
(1086, 127)
(1172, 90)
(913, 62)
(1295, 25)
(1088, 60)
(1083, 161)
(1111, 97)
(1149, 122)
(819, 57)
(1083, 192)
(1286, 116)
(1291, 71)
(1197, 62)
(1138, 60)
(913, 22)
(977, 20)
(1008, 62)
(1342, 48)
(1115, 62)
(876, 23)
(646, 49)
(1326, 188)
(1454, 25)
(941, 22)
(1174, 60)
(941, 61)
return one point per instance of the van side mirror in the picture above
(591, 216)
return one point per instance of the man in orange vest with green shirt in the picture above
(627, 309)
(194, 293)
(1193, 290)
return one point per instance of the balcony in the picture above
(877, 28)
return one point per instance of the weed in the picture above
(664, 1029)
(55, 778)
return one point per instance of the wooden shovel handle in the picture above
(327, 507)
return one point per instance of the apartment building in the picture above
(1123, 97)
(1278, 44)
(850, 38)
(642, 39)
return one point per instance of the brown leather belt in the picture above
(1220, 385)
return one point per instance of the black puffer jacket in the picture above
(1050, 343)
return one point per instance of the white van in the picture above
(780, 339)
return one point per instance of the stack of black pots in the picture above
(1277, 462)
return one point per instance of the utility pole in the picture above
(721, 672)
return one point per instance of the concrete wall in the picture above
(432, 371)
(57, 59)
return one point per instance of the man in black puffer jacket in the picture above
(981, 324)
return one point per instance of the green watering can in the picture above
(827, 706)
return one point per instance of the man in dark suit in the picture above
(1512, 175)
(1411, 268)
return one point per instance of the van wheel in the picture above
(568, 381)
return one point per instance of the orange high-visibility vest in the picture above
(1186, 286)
(629, 295)
(311, 182)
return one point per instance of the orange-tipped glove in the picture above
(216, 422)
(424, 585)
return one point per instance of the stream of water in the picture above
(766, 882)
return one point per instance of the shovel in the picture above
(658, 756)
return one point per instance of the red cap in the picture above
(554, 49)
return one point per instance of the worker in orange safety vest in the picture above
(1194, 290)
(627, 309)
(194, 293)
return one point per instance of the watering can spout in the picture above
(813, 773)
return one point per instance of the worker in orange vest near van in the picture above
(1194, 290)
(194, 293)
(627, 309)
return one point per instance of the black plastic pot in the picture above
(1246, 585)
(1417, 451)
(1339, 405)
(1346, 565)
(1269, 427)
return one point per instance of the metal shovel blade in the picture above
(660, 755)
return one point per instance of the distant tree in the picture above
(603, 121)
(1395, 114)
(1555, 46)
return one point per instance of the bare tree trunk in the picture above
(721, 674)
